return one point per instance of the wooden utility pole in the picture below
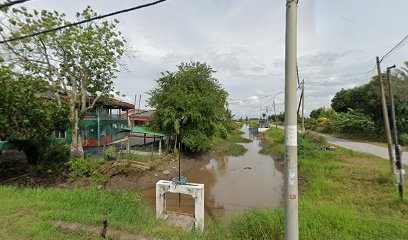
(303, 105)
(395, 131)
(385, 117)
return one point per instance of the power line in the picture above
(399, 44)
(83, 21)
(11, 3)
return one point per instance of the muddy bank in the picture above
(165, 171)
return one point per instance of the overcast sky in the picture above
(244, 41)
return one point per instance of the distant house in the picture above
(138, 117)
(101, 125)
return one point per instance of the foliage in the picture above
(316, 113)
(310, 141)
(236, 150)
(367, 99)
(254, 124)
(84, 167)
(77, 62)
(57, 152)
(403, 139)
(221, 131)
(353, 122)
(190, 103)
(110, 153)
(26, 120)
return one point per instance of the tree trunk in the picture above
(76, 143)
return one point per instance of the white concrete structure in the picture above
(193, 189)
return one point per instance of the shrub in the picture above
(84, 167)
(221, 131)
(353, 122)
(57, 153)
(110, 153)
(403, 139)
(310, 141)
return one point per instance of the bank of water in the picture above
(232, 184)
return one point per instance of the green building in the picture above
(102, 125)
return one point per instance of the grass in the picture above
(230, 146)
(343, 195)
(28, 213)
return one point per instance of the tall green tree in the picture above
(189, 103)
(77, 62)
(366, 99)
(26, 120)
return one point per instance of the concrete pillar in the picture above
(160, 146)
(193, 189)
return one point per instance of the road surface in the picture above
(363, 147)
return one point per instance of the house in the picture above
(138, 117)
(101, 125)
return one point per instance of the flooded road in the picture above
(232, 184)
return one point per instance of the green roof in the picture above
(4, 145)
(142, 130)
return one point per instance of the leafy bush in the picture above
(57, 152)
(353, 122)
(310, 141)
(403, 139)
(196, 141)
(84, 167)
(221, 131)
(110, 153)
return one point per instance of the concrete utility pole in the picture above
(303, 105)
(385, 116)
(395, 131)
(291, 168)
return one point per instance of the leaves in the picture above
(189, 102)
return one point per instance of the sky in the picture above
(244, 41)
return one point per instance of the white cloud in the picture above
(244, 41)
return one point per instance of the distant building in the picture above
(101, 125)
(139, 117)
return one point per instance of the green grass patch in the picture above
(229, 145)
(28, 213)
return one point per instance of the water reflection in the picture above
(232, 184)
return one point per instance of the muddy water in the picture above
(232, 184)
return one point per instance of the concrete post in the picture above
(193, 189)
(291, 171)
(160, 145)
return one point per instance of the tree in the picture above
(77, 62)
(26, 120)
(366, 99)
(189, 103)
(316, 113)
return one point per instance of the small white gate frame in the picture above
(193, 189)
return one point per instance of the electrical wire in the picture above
(82, 22)
(12, 3)
(399, 44)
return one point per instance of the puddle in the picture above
(232, 184)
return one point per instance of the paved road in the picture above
(363, 147)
